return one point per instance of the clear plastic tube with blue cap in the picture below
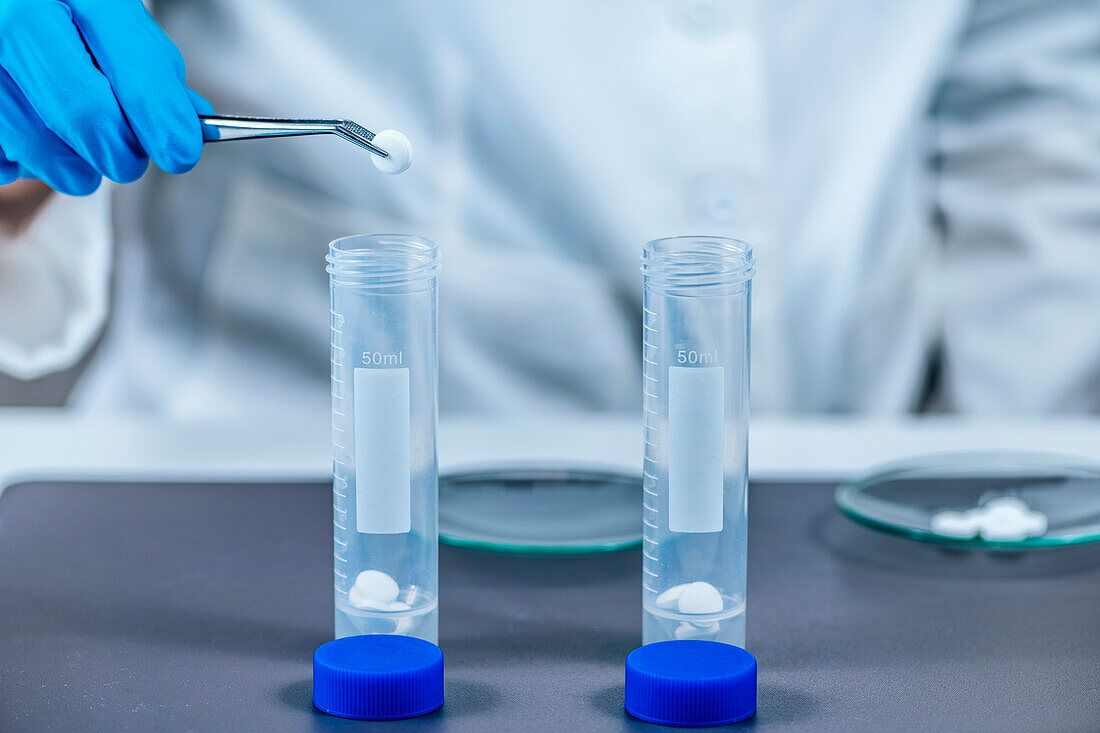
(695, 393)
(384, 414)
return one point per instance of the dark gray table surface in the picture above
(198, 607)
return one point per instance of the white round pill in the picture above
(696, 631)
(377, 586)
(960, 525)
(700, 597)
(671, 597)
(1036, 523)
(1005, 527)
(1006, 505)
(359, 598)
(399, 151)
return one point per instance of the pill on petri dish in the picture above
(960, 525)
(378, 586)
(1005, 527)
(398, 149)
(1037, 523)
(1005, 504)
(699, 597)
(1008, 519)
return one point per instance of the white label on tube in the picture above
(696, 448)
(383, 464)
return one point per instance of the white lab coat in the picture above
(916, 178)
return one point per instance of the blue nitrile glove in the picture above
(91, 88)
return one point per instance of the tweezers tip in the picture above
(360, 135)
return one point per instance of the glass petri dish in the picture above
(551, 511)
(904, 497)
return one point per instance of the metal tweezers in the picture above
(217, 128)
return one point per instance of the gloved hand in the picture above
(91, 88)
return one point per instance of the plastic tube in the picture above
(384, 414)
(695, 393)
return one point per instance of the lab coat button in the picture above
(705, 19)
(702, 13)
(719, 198)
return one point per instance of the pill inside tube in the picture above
(696, 631)
(377, 585)
(671, 597)
(700, 597)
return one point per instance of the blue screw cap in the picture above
(690, 683)
(378, 677)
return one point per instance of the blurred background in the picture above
(920, 181)
(920, 184)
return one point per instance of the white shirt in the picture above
(916, 178)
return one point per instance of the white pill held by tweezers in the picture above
(398, 149)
